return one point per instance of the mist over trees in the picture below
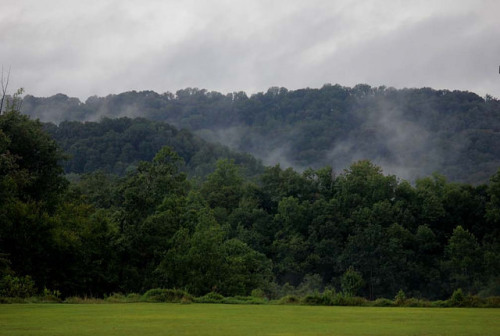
(358, 230)
(408, 132)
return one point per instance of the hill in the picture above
(409, 132)
(118, 145)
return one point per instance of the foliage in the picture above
(400, 298)
(166, 295)
(305, 127)
(457, 299)
(211, 297)
(351, 282)
(117, 146)
(289, 299)
(20, 287)
(382, 302)
(286, 233)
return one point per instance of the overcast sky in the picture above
(98, 47)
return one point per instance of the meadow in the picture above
(216, 319)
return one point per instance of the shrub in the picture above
(383, 302)
(85, 300)
(258, 293)
(133, 297)
(413, 302)
(121, 298)
(21, 287)
(314, 299)
(492, 302)
(473, 301)
(439, 304)
(289, 299)
(50, 295)
(341, 299)
(457, 299)
(400, 298)
(243, 300)
(166, 295)
(211, 297)
(4, 300)
(328, 296)
(116, 298)
(186, 300)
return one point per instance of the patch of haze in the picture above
(230, 137)
(259, 146)
(278, 155)
(408, 150)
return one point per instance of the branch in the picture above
(5, 85)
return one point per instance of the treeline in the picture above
(360, 231)
(410, 132)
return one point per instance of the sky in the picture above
(101, 47)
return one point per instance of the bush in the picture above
(133, 297)
(84, 300)
(289, 299)
(457, 299)
(167, 295)
(328, 296)
(244, 300)
(400, 298)
(383, 302)
(413, 302)
(474, 301)
(439, 304)
(21, 287)
(341, 299)
(258, 293)
(492, 302)
(116, 298)
(4, 300)
(314, 299)
(121, 298)
(50, 296)
(211, 297)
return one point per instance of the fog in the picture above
(99, 47)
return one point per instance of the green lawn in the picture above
(206, 319)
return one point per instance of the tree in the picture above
(223, 188)
(33, 158)
(351, 282)
(363, 185)
(463, 259)
(206, 261)
(493, 206)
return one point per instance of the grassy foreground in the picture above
(213, 319)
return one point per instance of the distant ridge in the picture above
(408, 132)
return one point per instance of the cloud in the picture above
(109, 46)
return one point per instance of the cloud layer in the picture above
(97, 47)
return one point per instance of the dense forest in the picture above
(118, 145)
(155, 226)
(411, 133)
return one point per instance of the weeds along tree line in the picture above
(281, 232)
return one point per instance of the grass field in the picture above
(145, 319)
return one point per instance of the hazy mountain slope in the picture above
(117, 145)
(409, 132)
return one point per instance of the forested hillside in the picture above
(361, 232)
(118, 145)
(409, 132)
